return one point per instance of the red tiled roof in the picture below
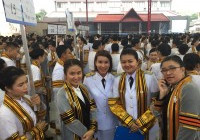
(108, 18)
(154, 17)
(130, 16)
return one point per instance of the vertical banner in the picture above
(70, 20)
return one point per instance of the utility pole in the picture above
(149, 17)
(86, 12)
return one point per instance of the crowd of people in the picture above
(87, 87)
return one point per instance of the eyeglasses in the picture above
(171, 70)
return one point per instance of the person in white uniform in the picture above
(163, 51)
(115, 56)
(153, 58)
(97, 45)
(195, 43)
(37, 57)
(52, 56)
(17, 118)
(136, 45)
(192, 63)
(10, 54)
(182, 49)
(63, 53)
(132, 93)
(99, 84)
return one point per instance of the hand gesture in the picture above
(35, 99)
(88, 135)
(41, 125)
(164, 89)
(134, 127)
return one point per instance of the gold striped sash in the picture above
(57, 83)
(173, 107)
(5, 55)
(60, 62)
(74, 103)
(141, 90)
(194, 72)
(39, 83)
(20, 112)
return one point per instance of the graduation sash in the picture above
(60, 62)
(117, 105)
(20, 112)
(5, 55)
(173, 109)
(58, 83)
(141, 90)
(76, 112)
(39, 83)
(53, 57)
(194, 72)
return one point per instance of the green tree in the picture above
(194, 16)
(41, 15)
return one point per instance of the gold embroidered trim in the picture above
(19, 111)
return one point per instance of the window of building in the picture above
(63, 5)
(90, 6)
(165, 4)
(154, 4)
(126, 4)
(140, 4)
(59, 4)
(101, 4)
(75, 4)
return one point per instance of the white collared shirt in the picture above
(131, 97)
(100, 77)
(79, 93)
(133, 75)
(9, 62)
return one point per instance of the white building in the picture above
(112, 5)
(116, 16)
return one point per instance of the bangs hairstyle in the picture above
(129, 51)
(105, 54)
(174, 58)
(72, 62)
(8, 77)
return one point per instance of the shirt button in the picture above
(131, 106)
(131, 97)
